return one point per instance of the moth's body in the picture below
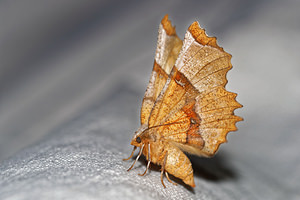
(176, 163)
(186, 107)
(165, 154)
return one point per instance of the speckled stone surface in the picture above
(83, 160)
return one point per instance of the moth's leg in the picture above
(149, 160)
(134, 148)
(163, 169)
(167, 175)
(140, 153)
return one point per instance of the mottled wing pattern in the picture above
(194, 111)
(168, 48)
(174, 113)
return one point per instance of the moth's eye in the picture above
(138, 140)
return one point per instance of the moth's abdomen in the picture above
(179, 165)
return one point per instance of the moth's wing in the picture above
(194, 111)
(168, 48)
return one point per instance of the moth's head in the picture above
(137, 141)
(140, 137)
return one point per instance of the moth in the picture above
(186, 107)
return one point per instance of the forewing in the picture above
(168, 47)
(196, 86)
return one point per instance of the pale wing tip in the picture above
(201, 37)
(167, 25)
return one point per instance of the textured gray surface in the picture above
(83, 160)
(93, 60)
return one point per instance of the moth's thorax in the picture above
(157, 151)
(140, 130)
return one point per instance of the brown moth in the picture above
(186, 107)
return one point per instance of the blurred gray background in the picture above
(58, 59)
